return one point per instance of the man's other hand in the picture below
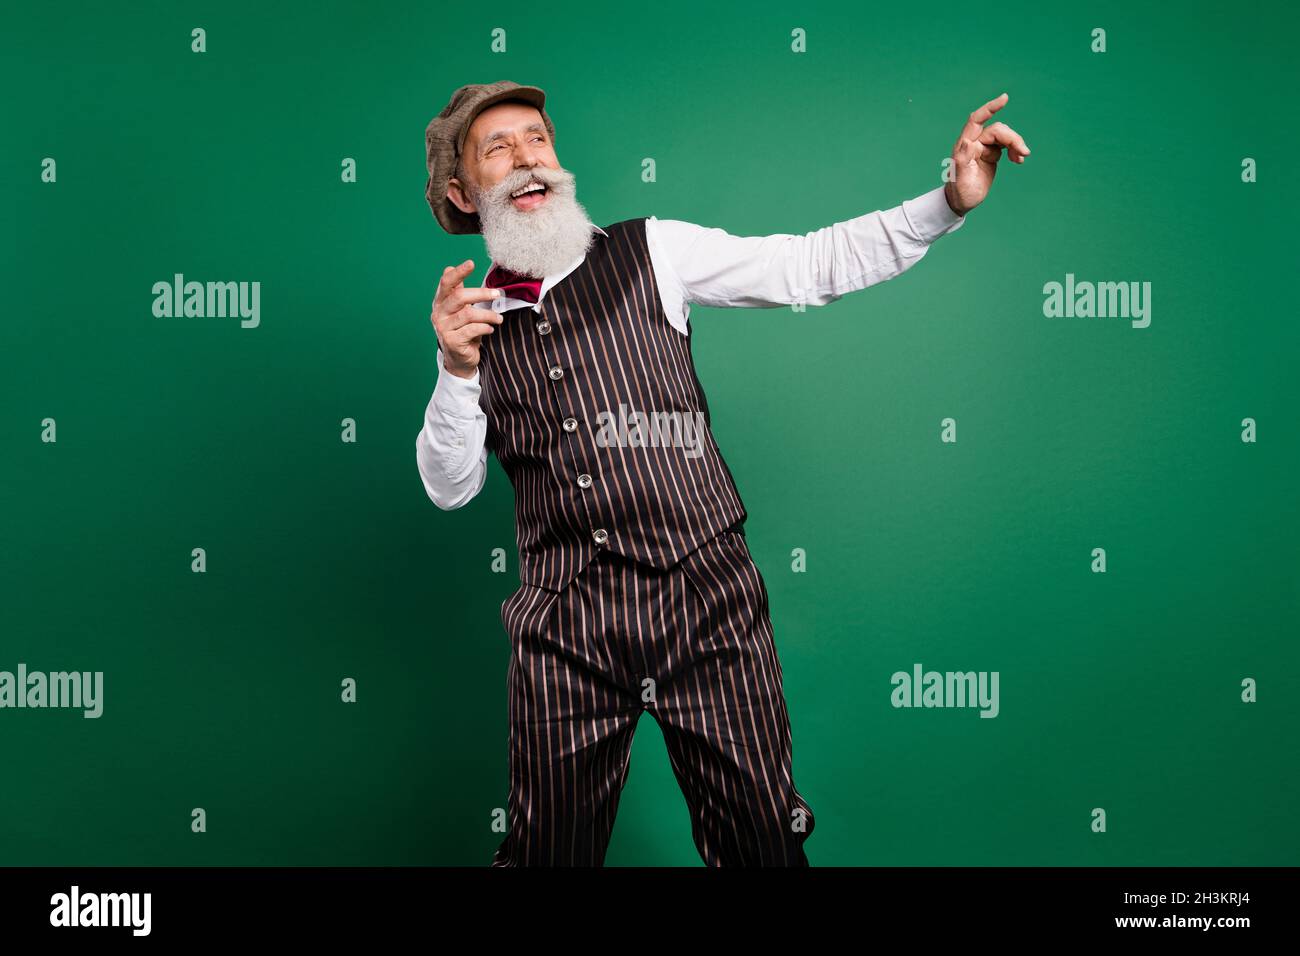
(975, 157)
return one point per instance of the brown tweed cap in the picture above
(445, 138)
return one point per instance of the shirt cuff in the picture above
(930, 216)
(455, 394)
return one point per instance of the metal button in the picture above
(543, 327)
(600, 534)
(584, 481)
(570, 424)
(557, 372)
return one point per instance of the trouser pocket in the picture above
(528, 611)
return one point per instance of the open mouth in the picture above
(527, 197)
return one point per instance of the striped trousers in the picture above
(692, 646)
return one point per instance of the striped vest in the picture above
(564, 389)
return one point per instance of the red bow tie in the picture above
(516, 286)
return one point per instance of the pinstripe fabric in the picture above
(701, 631)
(600, 341)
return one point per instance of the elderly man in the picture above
(637, 589)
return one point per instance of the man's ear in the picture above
(459, 196)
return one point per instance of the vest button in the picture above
(543, 327)
(556, 373)
(570, 424)
(601, 535)
(584, 481)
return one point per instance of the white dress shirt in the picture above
(702, 266)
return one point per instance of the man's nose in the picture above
(526, 156)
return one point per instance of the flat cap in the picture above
(444, 139)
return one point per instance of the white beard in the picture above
(535, 242)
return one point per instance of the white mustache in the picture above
(553, 180)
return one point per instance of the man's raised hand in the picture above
(975, 157)
(460, 326)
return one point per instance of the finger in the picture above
(975, 122)
(460, 297)
(992, 149)
(475, 330)
(463, 317)
(453, 276)
(1000, 134)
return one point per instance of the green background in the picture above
(327, 560)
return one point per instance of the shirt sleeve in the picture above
(714, 268)
(451, 447)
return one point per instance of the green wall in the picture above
(325, 559)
